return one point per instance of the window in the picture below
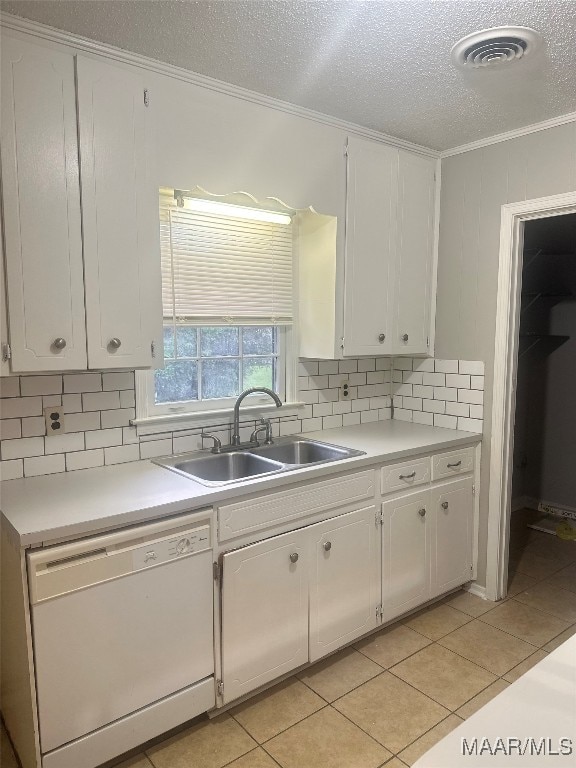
(227, 295)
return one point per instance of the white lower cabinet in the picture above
(452, 505)
(264, 612)
(297, 597)
(426, 545)
(344, 580)
(406, 553)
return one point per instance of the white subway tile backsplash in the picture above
(156, 448)
(413, 403)
(293, 427)
(308, 396)
(327, 367)
(403, 363)
(49, 400)
(366, 364)
(403, 389)
(22, 447)
(347, 366)
(360, 405)
(383, 363)
(470, 425)
(103, 438)
(458, 409)
(121, 454)
(11, 470)
(83, 382)
(328, 395)
(419, 390)
(120, 417)
(129, 435)
(81, 422)
(33, 426)
(477, 382)
(72, 441)
(186, 443)
(476, 412)
(302, 383)
(100, 401)
(448, 422)
(445, 393)
(434, 406)
(118, 380)
(475, 396)
(434, 379)
(40, 385)
(322, 409)
(475, 367)
(402, 414)
(458, 380)
(368, 416)
(10, 386)
(331, 422)
(11, 428)
(127, 398)
(412, 377)
(308, 368)
(422, 417)
(85, 459)
(358, 379)
(72, 403)
(446, 366)
(318, 382)
(44, 465)
(350, 419)
(425, 364)
(343, 406)
(18, 407)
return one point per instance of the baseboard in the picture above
(475, 589)
(524, 502)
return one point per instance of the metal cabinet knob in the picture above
(327, 546)
(381, 337)
(59, 343)
(115, 343)
(404, 337)
(294, 557)
(444, 505)
(422, 512)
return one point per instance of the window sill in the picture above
(173, 422)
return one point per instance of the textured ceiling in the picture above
(383, 64)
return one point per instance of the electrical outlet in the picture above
(345, 388)
(54, 417)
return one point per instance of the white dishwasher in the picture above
(123, 638)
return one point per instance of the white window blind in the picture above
(219, 269)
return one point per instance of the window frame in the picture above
(153, 417)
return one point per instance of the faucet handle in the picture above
(264, 424)
(217, 446)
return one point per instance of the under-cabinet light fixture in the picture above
(237, 211)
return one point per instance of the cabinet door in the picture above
(406, 547)
(264, 612)
(452, 505)
(120, 218)
(344, 581)
(372, 173)
(414, 254)
(41, 208)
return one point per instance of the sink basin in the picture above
(303, 452)
(286, 455)
(223, 468)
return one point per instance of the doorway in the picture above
(543, 495)
(508, 347)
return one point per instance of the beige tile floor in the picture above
(392, 696)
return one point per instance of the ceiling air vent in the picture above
(499, 45)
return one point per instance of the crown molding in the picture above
(508, 135)
(51, 34)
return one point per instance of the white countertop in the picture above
(539, 706)
(70, 504)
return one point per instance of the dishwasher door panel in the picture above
(107, 650)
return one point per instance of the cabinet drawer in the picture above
(396, 477)
(453, 463)
(275, 508)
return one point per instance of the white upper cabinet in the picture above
(411, 326)
(378, 296)
(41, 209)
(80, 214)
(371, 214)
(119, 216)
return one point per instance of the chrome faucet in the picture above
(236, 428)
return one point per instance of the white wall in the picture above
(474, 187)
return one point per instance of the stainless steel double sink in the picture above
(285, 455)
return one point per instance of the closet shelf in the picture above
(531, 339)
(531, 297)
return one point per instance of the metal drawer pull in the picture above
(407, 477)
(457, 464)
(327, 546)
(115, 343)
(381, 337)
(404, 337)
(294, 557)
(422, 512)
(444, 505)
(59, 343)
